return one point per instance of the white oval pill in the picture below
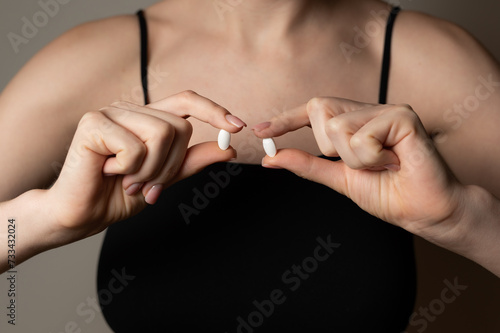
(224, 139)
(269, 147)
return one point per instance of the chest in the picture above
(257, 88)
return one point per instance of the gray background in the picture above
(52, 285)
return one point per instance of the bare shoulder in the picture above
(453, 83)
(435, 63)
(84, 69)
(87, 57)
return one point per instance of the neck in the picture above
(265, 19)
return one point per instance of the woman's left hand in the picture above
(389, 165)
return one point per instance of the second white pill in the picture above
(269, 147)
(224, 139)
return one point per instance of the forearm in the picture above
(25, 228)
(476, 234)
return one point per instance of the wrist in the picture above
(473, 230)
(29, 218)
(481, 229)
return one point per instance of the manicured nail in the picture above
(133, 189)
(269, 166)
(235, 121)
(392, 167)
(153, 194)
(261, 126)
(235, 156)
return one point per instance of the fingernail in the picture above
(261, 126)
(392, 167)
(269, 166)
(235, 157)
(133, 189)
(235, 121)
(153, 194)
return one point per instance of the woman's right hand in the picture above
(124, 155)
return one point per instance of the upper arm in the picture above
(82, 70)
(453, 83)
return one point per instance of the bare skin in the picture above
(263, 58)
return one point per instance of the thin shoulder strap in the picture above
(386, 60)
(144, 54)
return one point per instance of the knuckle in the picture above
(317, 104)
(334, 126)
(407, 114)
(91, 118)
(279, 121)
(132, 158)
(404, 111)
(367, 153)
(123, 105)
(163, 133)
(169, 132)
(106, 109)
(118, 104)
(405, 107)
(137, 151)
(357, 142)
(185, 127)
(187, 95)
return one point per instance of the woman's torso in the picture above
(219, 246)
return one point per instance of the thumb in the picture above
(202, 155)
(305, 165)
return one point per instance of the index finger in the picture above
(283, 123)
(190, 104)
(318, 108)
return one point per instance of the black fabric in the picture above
(240, 248)
(386, 58)
(143, 28)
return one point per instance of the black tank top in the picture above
(305, 259)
